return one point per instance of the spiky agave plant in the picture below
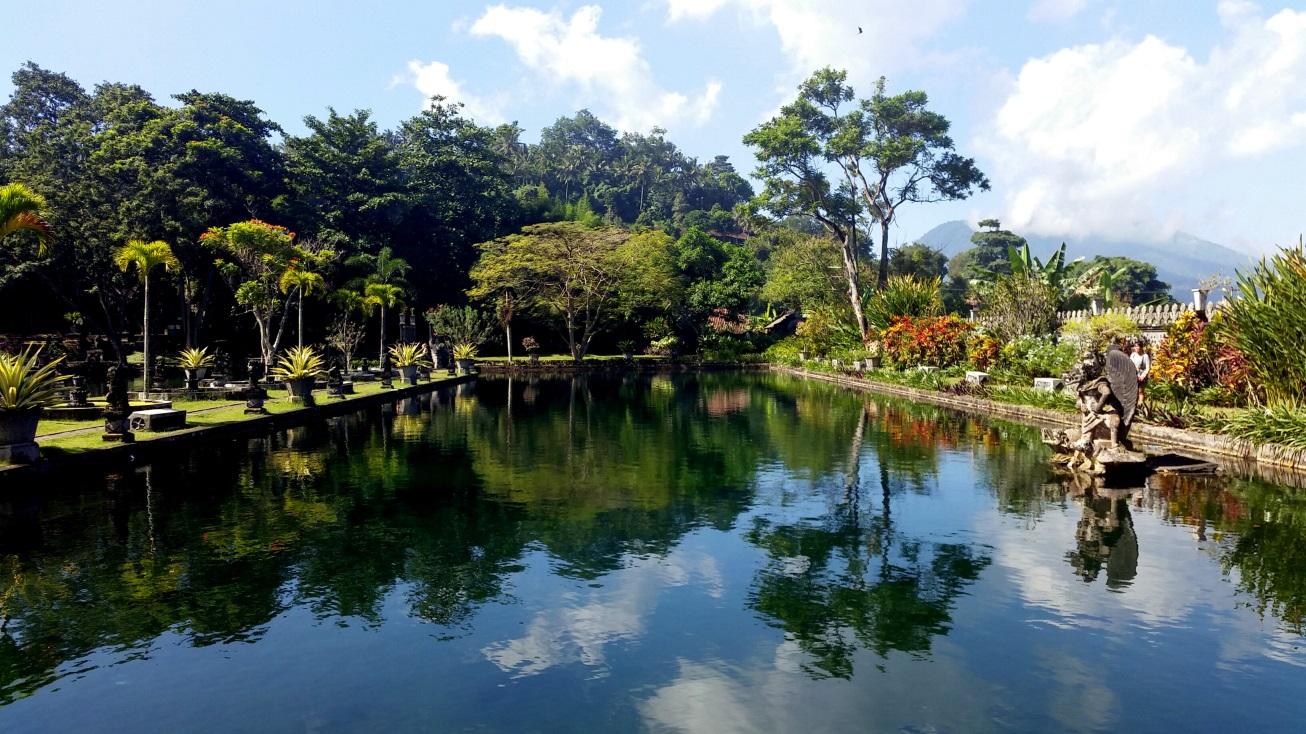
(194, 358)
(409, 355)
(298, 363)
(25, 384)
(464, 351)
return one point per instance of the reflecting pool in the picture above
(715, 553)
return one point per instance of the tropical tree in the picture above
(564, 269)
(256, 255)
(146, 256)
(383, 297)
(302, 282)
(22, 209)
(887, 151)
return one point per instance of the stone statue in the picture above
(254, 392)
(386, 375)
(116, 414)
(1106, 390)
(335, 382)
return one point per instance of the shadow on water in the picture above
(437, 504)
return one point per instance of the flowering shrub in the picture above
(983, 351)
(1193, 359)
(939, 341)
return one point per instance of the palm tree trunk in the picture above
(380, 357)
(507, 328)
(145, 327)
(301, 318)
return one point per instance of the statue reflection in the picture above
(1104, 535)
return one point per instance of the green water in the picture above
(715, 553)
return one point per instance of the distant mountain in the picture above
(1181, 261)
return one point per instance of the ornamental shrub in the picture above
(1098, 332)
(983, 351)
(939, 341)
(1032, 356)
(1266, 323)
(903, 295)
(1192, 358)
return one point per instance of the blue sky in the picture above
(1092, 117)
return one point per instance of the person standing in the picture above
(1142, 361)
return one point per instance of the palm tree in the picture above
(385, 267)
(146, 256)
(303, 282)
(22, 209)
(382, 296)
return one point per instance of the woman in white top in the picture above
(1143, 362)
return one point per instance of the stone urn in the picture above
(18, 426)
(301, 389)
(465, 366)
(18, 435)
(408, 373)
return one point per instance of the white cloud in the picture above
(1055, 11)
(610, 69)
(1108, 138)
(433, 79)
(816, 33)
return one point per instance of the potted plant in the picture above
(532, 348)
(874, 352)
(465, 355)
(627, 348)
(407, 358)
(196, 363)
(299, 368)
(26, 387)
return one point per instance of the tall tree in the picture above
(253, 257)
(384, 297)
(887, 151)
(145, 257)
(565, 269)
(302, 283)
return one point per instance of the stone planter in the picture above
(408, 373)
(872, 363)
(465, 366)
(18, 435)
(628, 356)
(534, 358)
(301, 389)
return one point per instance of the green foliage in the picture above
(1097, 332)
(805, 272)
(145, 256)
(23, 210)
(918, 260)
(464, 351)
(1024, 395)
(1020, 305)
(1282, 423)
(903, 295)
(1266, 323)
(298, 363)
(26, 384)
(465, 325)
(194, 358)
(1118, 280)
(1030, 357)
(826, 330)
(409, 355)
(784, 351)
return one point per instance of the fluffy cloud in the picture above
(1108, 138)
(570, 50)
(816, 33)
(433, 79)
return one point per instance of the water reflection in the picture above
(683, 537)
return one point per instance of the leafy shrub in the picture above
(26, 384)
(1192, 359)
(784, 351)
(194, 358)
(903, 296)
(1020, 306)
(1031, 356)
(664, 346)
(1266, 324)
(409, 355)
(1098, 332)
(1021, 395)
(299, 363)
(939, 341)
(825, 330)
(463, 325)
(1283, 423)
(983, 351)
(464, 351)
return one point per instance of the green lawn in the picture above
(199, 413)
